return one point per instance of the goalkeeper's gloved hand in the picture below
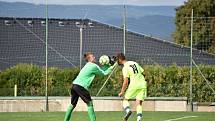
(113, 66)
(112, 60)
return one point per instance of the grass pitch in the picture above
(108, 116)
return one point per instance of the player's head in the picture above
(89, 57)
(121, 58)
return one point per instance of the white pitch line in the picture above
(181, 118)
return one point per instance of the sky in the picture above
(107, 2)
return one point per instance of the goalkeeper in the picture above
(133, 76)
(81, 86)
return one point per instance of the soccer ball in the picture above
(104, 59)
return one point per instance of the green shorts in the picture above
(139, 94)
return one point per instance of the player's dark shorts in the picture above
(79, 91)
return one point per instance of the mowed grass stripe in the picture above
(105, 116)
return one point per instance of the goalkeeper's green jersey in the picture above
(134, 72)
(88, 73)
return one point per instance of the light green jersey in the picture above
(133, 71)
(88, 73)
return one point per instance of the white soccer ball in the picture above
(104, 59)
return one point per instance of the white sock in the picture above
(127, 110)
(138, 118)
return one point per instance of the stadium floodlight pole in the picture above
(81, 46)
(124, 27)
(191, 63)
(47, 105)
(82, 25)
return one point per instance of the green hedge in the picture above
(162, 81)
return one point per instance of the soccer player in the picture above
(133, 76)
(82, 84)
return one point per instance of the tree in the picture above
(204, 24)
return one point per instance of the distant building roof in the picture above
(22, 40)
